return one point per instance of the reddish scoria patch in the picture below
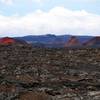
(7, 40)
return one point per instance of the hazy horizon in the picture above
(50, 34)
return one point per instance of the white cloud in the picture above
(39, 1)
(12, 1)
(7, 2)
(58, 20)
(83, 1)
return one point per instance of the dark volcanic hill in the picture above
(93, 42)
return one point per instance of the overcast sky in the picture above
(37, 17)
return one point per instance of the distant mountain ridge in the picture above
(54, 41)
(50, 40)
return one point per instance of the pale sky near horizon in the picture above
(39, 17)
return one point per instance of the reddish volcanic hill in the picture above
(73, 41)
(8, 40)
(93, 41)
